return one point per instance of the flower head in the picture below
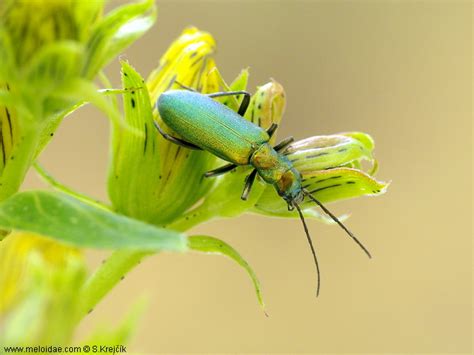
(50, 51)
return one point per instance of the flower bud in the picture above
(331, 170)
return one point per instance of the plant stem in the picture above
(19, 160)
(121, 262)
(107, 276)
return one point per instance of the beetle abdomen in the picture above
(210, 125)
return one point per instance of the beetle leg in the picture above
(221, 170)
(249, 180)
(245, 101)
(271, 130)
(184, 86)
(175, 140)
(284, 144)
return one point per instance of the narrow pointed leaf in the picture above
(212, 245)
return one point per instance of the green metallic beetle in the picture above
(205, 124)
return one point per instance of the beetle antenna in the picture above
(310, 242)
(335, 219)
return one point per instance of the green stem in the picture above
(20, 160)
(121, 262)
(107, 276)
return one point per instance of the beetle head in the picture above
(289, 187)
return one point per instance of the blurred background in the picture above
(398, 70)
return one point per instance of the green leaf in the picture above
(207, 244)
(71, 221)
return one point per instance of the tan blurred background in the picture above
(398, 70)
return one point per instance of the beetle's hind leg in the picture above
(249, 180)
(245, 101)
(284, 144)
(175, 140)
(221, 170)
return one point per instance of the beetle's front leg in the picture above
(249, 180)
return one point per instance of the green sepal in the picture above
(115, 32)
(267, 106)
(51, 67)
(238, 84)
(308, 213)
(134, 169)
(180, 182)
(324, 152)
(206, 244)
(327, 186)
(6, 57)
(68, 220)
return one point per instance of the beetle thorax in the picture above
(277, 170)
(268, 163)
